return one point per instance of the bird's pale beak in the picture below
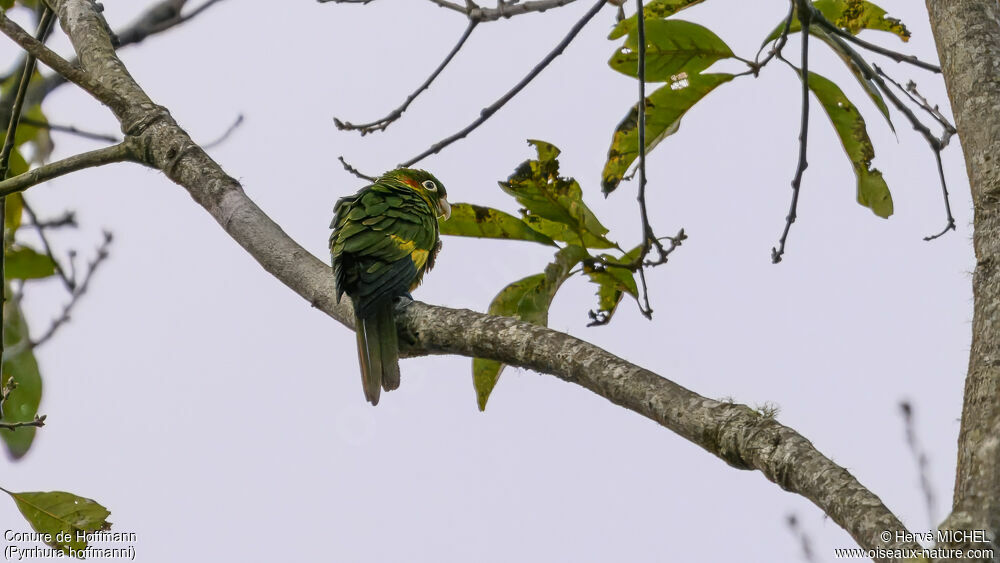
(444, 208)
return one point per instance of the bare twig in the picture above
(69, 129)
(38, 422)
(488, 112)
(933, 110)
(920, 457)
(504, 9)
(826, 24)
(67, 281)
(804, 541)
(5, 392)
(355, 171)
(777, 45)
(804, 17)
(77, 293)
(381, 124)
(225, 135)
(67, 219)
(122, 152)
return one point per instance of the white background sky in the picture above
(218, 416)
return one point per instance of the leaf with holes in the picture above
(469, 220)
(545, 195)
(872, 191)
(852, 16)
(61, 516)
(613, 283)
(527, 299)
(657, 9)
(664, 109)
(672, 47)
(866, 83)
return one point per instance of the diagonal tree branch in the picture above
(381, 124)
(737, 434)
(488, 112)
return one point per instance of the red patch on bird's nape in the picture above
(412, 183)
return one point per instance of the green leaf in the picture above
(566, 233)
(527, 299)
(613, 283)
(468, 220)
(17, 164)
(61, 515)
(6, 4)
(24, 263)
(657, 9)
(672, 47)
(664, 109)
(537, 186)
(14, 209)
(19, 363)
(873, 192)
(850, 15)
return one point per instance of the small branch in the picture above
(488, 112)
(67, 219)
(949, 219)
(38, 422)
(354, 170)
(804, 541)
(235, 125)
(933, 111)
(69, 129)
(77, 293)
(647, 231)
(920, 457)
(778, 44)
(936, 144)
(503, 10)
(67, 281)
(5, 392)
(381, 124)
(804, 17)
(122, 152)
(894, 55)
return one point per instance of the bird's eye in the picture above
(430, 186)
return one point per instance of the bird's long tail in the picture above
(378, 352)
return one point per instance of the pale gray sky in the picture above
(218, 416)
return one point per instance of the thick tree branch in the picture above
(739, 435)
(967, 33)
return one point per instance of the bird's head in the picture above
(425, 184)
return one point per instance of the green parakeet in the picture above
(384, 238)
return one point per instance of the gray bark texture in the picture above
(742, 437)
(967, 33)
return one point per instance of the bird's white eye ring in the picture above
(430, 186)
